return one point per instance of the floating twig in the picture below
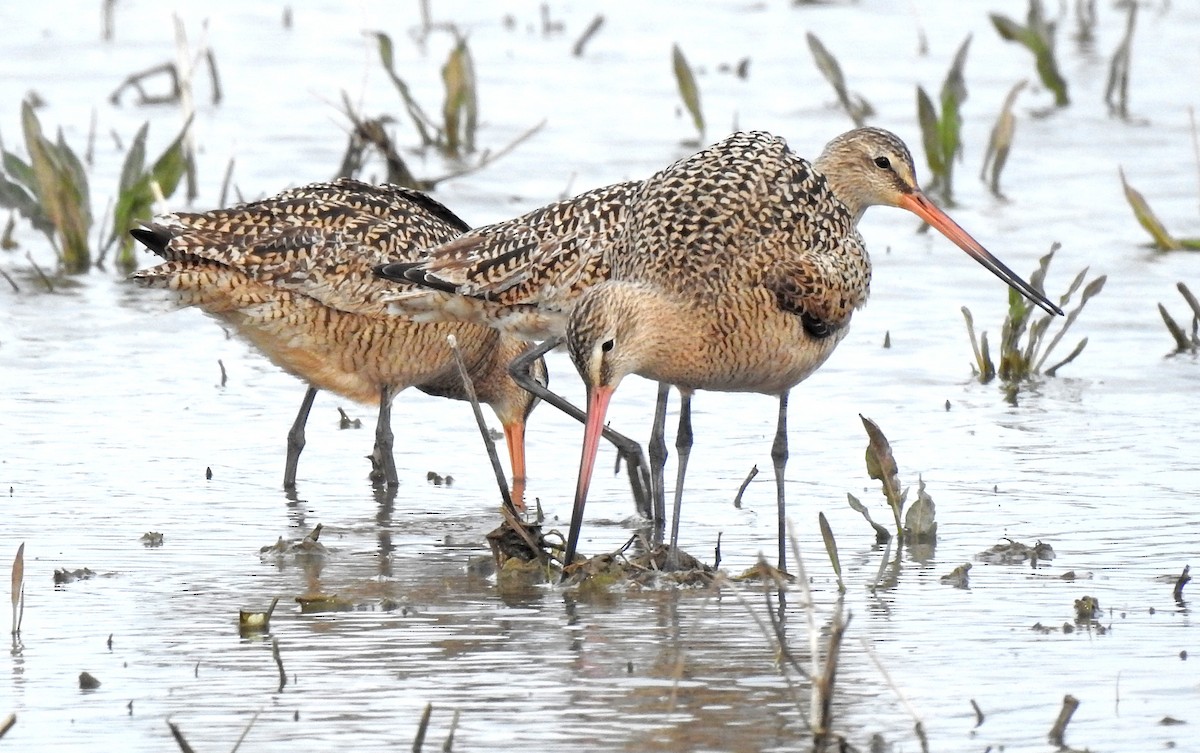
(278, 663)
(1070, 703)
(1184, 577)
(419, 742)
(178, 735)
(587, 35)
(737, 500)
(978, 713)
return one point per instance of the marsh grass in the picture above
(1025, 341)
(918, 525)
(51, 191)
(1000, 142)
(942, 132)
(857, 107)
(140, 187)
(1116, 92)
(1163, 239)
(453, 136)
(18, 590)
(1184, 342)
(1037, 36)
(689, 90)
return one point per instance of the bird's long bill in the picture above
(918, 204)
(598, 398)
(514, 436)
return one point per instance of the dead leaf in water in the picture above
(63, 576)
(1163, 240)
(323, 603)
(882, 534)
(1086, 608)
(920, 527)
(18, 589)
(1015, 553)
(958, 577)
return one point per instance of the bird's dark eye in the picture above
(607, 345)
(883, 162)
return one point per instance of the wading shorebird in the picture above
(292, 275)
(739, 269)
(522, 277)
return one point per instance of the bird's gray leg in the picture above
(630, 450)
(683, 449)
(382, 458)
(658, 460)
(295, 438)
(488, 443)
(779, 456)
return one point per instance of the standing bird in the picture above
(523, 277)
(739, 270)
(292, 274)
(735, 269)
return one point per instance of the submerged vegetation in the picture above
(1000, 142)
(941, 127)
(453, 136)
(855, 105)
(918, 524)
(689, 90)
(1184, 342)
(1116, 92)
(51, 192)
(1025, 344)
(1037, 36)
(1163, 239)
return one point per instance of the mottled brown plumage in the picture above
(521, 276)
(737, 269)
(292, 274)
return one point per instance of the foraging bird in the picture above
(522, 277)
(292, 274)
(739, 269)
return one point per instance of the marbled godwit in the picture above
(738, 269)
(522, 277)
(292, 274)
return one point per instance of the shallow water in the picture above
(112, 410)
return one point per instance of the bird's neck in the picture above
(841, 182)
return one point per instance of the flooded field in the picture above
(114, 411)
